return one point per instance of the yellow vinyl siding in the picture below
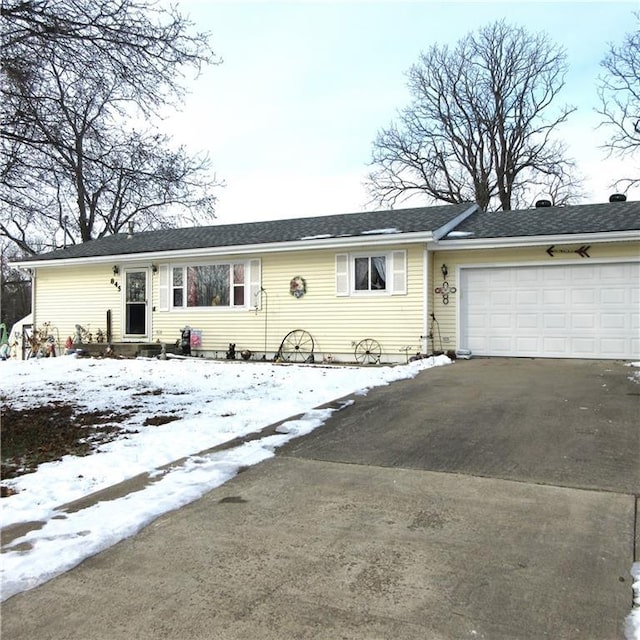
(66, 296)
(336, 323)
(447, 315)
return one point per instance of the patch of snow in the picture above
(216, 402)
(382, 231)
(322, 236)
(632, 623)
(460, 234)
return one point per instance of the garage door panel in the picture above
(582, 321)
(527, 321)
(612, 271)
(527, 296)
(524, 276)
(500, 344)
(500, 321)
(554, 296)
(583, 347)
(555, 345)
(555, 321)
(584, 296)
(584, 274)
(613, 321)
(500, 298)
(582, 310)
(613, 295)
(527, 344)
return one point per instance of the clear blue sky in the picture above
(289, 117)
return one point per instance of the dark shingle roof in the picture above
(580, 219)
(548, 221)
(423, 219)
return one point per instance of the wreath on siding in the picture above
(298, 287)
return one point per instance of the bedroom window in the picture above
(374, 274)
(370, 273)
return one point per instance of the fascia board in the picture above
(355, 242)
(528, 241)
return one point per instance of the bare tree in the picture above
(15, 288)
(80, 77)
(619, 93)
(478, 127)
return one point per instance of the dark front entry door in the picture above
(136, 303)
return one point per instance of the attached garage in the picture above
(560, 311)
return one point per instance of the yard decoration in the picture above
(298, 287)
(445, 290)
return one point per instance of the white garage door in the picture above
(569, 311)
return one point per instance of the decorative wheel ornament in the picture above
(368, 351)
(298, 287)
(445, 290)
(297, 346)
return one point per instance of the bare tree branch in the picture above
(79, 76)
(619, 94)
(478, 127)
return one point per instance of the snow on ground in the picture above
(632, 626)
(633, 619)
(216, 401)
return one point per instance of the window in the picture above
(235, 285)
(370, 273)
(380, 273)
(211, 285)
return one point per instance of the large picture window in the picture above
(211, 285)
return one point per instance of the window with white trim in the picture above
(375, 273)
(226, 285)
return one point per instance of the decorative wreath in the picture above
(298, 287)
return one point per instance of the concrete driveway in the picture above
(489, 499)
(569, 423)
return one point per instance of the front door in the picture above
(136, 303)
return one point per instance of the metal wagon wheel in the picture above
(297, 346)
(368, 351)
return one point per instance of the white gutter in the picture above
(273, 247)
(528, 241)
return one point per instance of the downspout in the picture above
(425, 304)
(33, 271)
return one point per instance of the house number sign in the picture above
(582, 251)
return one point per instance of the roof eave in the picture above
(342, 243)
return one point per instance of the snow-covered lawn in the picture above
(216, 402)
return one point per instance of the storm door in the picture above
(136, 303)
